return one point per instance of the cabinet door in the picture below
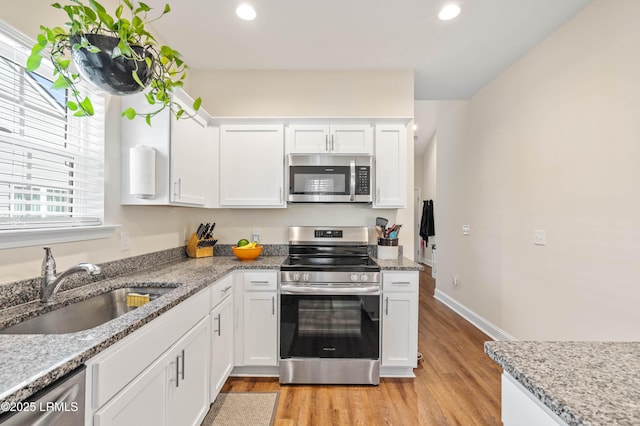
(189, 160)
(221, 345)
(260, 328)
(307, 138)
(391, 166)
(399, 329)
(521, 408)
(131, 406)
(188, 372)
(251, 166)
(352, 138)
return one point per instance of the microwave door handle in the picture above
(352, 180)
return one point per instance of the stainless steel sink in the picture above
(84, 314)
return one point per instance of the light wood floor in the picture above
(456, 384)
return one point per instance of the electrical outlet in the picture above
(256, 235)
(466, 229)
(456, 281)
(539, 237)
(124, 241)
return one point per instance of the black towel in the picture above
(427, 226)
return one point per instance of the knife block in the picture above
(194, 251)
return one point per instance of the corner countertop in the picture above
(399, 264)
(584, 383)
(30, 362)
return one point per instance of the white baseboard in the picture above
(255, 371)
(406, 372)
(479, 322)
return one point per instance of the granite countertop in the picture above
(399, 264)
(30, 362)
(584, 383)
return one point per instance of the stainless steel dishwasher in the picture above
(59, 404)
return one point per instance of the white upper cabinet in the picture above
(252, 165)
(391, 166)
(189, 173)
(338, 138)
(183, 150)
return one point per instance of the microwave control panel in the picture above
(363, 180)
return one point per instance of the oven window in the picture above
(345, 326)
(328, 317)
(319, 180)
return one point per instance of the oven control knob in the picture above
(354, 277)
(364, 277)
(296, 276)
(306, 277)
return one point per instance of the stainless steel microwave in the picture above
(330, 178)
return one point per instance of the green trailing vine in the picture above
(128, 24)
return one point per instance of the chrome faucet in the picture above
(51, 283)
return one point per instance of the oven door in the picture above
(329, 326)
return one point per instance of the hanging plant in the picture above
(115, 52)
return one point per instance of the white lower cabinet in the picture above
(257, 313)
(221, 345)
(521, 408)
(260, 328)
(399, 319)
(172, 391)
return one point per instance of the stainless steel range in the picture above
(329, 308)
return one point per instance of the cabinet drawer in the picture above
(221, 290)
(260, 281)
(400, 281)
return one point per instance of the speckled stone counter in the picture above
(28, 363)
(584, 383)
(399, 264)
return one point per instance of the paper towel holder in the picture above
(142, 171)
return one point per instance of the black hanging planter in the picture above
(113, 75)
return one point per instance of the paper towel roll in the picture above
(142, 171)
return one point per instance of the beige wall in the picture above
(551, 144)
(326, 93)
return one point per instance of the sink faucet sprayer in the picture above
(51, 283)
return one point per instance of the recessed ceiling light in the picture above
(449, 12)
(246, 12)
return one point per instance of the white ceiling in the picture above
(451, 60)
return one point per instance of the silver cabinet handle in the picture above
(182, 356)
(386, 308)
(333, 143)
(273, 305)
(326, 142)
(177, 371)
(259, 282)
(401, 282)
(226, 289)
(219, 326)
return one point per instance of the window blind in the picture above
(51, 163)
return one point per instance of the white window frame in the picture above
(48, 229)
